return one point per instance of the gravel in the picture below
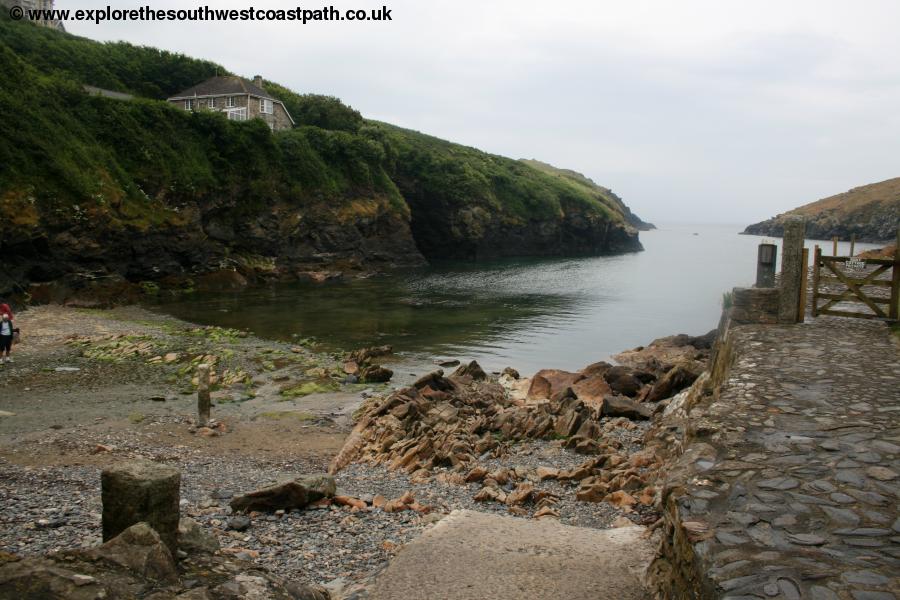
(53, 508)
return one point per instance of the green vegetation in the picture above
(108, 169)
(71, 158)
(310, 387)
(442, 173)
(870, 212)
(727, 300)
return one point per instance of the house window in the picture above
(266, 107)
(211, 103)
(231, 101)
(189, 104)
(237, 114)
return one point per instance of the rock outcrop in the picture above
(871, 212)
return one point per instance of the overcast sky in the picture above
(691, 110)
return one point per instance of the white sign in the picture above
(855, 263)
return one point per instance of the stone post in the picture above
(203, 401)
(765, 265)
(791, 269)
(141, 491)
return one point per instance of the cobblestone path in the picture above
(797, 494)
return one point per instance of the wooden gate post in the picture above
(894, 309)
(804, 275)
(817, 254)
(834, 242)
(852, 245)
(791, 255)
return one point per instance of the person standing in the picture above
(6, 337)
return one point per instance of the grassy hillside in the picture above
(93, 188)
(467, 203)
(872, 212)
(598, 192)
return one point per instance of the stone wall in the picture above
(678, 573)
(754, 305)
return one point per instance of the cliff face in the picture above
(124, 194)
(468, 204)
(872, 212)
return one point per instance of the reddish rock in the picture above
(548, 382)
(349, 501)
(616, 406)
(592, 389)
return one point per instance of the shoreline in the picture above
(123, 404)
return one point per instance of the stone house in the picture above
(237, 98)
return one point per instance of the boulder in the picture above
(592, 389)
(616, 406)
(40, 578)
(597, 369)
(622, 380)
(141, 550)
(676, 379)
(364, 355)
(141, 491)
(297, 493)
(435, 381)
(568, 422)
(510, 372)
(472, 370)
(548, 382)
(520, 495)
(375, 374)
(192, 537)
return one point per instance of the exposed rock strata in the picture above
(450, 423)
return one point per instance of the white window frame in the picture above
(231, 102)
(237, 114)
(210, 103)
(188, 104)
(266, 106)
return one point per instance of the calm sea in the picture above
(525, 313)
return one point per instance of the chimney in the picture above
(257, 81)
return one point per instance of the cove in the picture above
(525, 313)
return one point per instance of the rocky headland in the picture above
(104, 199)
(870, 212)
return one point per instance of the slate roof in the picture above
(219, 86)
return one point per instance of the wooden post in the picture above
(804, 278)
(895, 282)
(834, 242)
(817, 254)
(203, 401)
(853, 244)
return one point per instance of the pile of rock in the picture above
(359, 367)
(444, 426)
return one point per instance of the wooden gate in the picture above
(851, 285)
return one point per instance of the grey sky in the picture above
(695, 110)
